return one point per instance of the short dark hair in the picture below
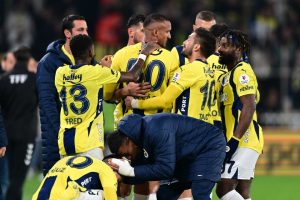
(22, 54)
(80, 46)
(134, 20)
(207, 42)
(154, 17)
(67, 22)
(218, 29)
(239, 39)
(206, 15)
(115, 140)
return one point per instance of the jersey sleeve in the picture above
(115, 65)
(185, 77)
(175, 56)
(163, 101)
(245, 81)
(106, 75)
(109, 183)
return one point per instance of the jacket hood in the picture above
(55, 48)
(131, 126)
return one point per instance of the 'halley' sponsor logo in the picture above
(72, 77)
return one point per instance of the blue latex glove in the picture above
(231, 147)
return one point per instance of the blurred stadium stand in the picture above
(273, 26)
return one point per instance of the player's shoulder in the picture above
(213, 58)
(244, 68)
(243, 73)
(129, 49)
(177, 49)
(62, 69)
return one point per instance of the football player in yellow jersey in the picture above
(135, 29)
(80, 89)
(239, 96)
(78, 177)
(159, 66)
(219, 69)
(192, 88)
(204, 19)
(157, 70)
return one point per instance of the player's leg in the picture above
(239, 170)
(123, 191)
(171, 190)
(19, 160)
(141, 191)
(226, 190)
(201, 189)
(243, 188)
(186, 195)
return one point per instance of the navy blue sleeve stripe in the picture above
(46, 188)
(180, 56)
(69, 141)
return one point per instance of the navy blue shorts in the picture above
(201, 189)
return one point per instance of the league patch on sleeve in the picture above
(176, 76)
(244, 78)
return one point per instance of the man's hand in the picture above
(149, 47)
(2, 151)
(128, 100)
(123, 166)
(231, 147)
(106, 60)
(138, 89)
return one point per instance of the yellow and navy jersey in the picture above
(70, 56)
(74, 174)
(238, 82)
(219, 71)
(213, 62)
(196, 81)
(179, 57)
(158, 69)
(80, 89)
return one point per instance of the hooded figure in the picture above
(170, 146)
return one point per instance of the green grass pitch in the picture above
(263, 188)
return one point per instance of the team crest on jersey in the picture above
(176, 76)
(146, 155)
(244, 79)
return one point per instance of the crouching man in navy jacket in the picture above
(187, 151)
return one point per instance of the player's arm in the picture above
(134, 73)
(109, 182)
(132, 89)
(246, 86)
(160, 102)
(163, 166)
(246, 116)
(110, 193)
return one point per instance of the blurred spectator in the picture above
(19, 105)
(19, 26)
(7, 62)
(295, 82)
